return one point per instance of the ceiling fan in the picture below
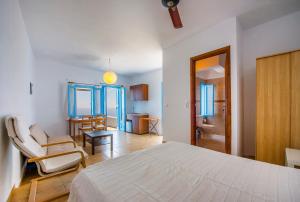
(173, 10)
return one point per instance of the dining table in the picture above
(75, 122)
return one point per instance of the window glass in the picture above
(207, 99)
(83, 101)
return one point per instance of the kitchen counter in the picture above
(139, 126)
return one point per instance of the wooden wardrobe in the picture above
(277, 106)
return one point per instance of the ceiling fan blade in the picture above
(175, 17)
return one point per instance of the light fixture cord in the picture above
(109, 64)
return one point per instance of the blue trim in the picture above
(102, 89)
(121, 106)
(92, 101)
(103, 100)
(75, 104)
(69, 101)
(207, 97)
(124, 108)
(97, 97)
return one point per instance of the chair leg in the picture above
(83, 163)
(33, 189)
(155, 128)
(34, 184)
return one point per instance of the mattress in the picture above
(181, 172)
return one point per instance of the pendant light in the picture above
(110, 77)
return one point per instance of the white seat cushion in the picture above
(61, 147)
(28, 145)
(62, 162)
(21, 128)
(30, 148)
(38, 134)
(63, 138)
(64, 148)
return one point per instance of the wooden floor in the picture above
(213, 142)
(124, 143)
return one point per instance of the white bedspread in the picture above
(180, 172)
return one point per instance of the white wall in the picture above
(176, 71)
(16, 61)
(279, 35)
(50, 91)
(154, 105)
(239, 87)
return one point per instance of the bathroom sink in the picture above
(205, 125)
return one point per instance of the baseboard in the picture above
(9, 199)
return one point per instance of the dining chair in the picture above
(86, 124)
(100, 122)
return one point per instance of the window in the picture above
(207, 92)
(84, 101)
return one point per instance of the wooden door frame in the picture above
(193, 60)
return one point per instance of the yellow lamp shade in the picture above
(110, 77)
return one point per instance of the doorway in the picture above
(115, 107)
(112, 108)
(211, 100)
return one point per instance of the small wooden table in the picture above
(153, 123)
(73, 122)
(98, 134)
(77, 121)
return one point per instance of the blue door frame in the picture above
(121, 105)
(100, 90)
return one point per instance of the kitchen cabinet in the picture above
(139, 92)
(139, 126)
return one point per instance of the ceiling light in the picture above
(110, 77)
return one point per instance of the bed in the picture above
(181, 172)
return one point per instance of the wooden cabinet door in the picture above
(139, 92)
(295, 100)
(133, 92)
(273, 106)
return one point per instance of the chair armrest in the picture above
(36, 159)
(58, 143)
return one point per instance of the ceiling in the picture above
(218, 60)
(132, 33)
(211, 68)
(214, 72)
